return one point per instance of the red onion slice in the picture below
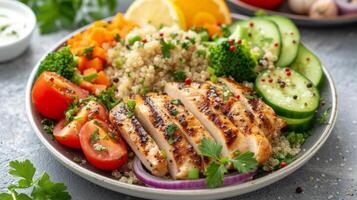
(157, 182)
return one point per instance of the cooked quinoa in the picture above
(154, 58)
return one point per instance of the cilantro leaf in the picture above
(24, 170)
(210, 149)
(165, 48)
(215, 175)
(46, 189)
(179, 75)
(245, 162)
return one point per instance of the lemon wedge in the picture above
(155, 12)
(194, 10)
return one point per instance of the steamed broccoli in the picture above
(61, 62)
(230, 58)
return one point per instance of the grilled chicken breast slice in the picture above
(221, 128)
(229, 106)
(139, 140)
(270, 122)
(180, 154)
(190, 126)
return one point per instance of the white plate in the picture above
(320, 134)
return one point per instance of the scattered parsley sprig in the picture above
(42, 187)
(242, 162)
(324, 115)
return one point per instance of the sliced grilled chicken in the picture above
(270, 122)
(139, 140)
(187, 122)
(219, 126)
(180, 154)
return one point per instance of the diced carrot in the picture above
(95, 63)
(89, 71)
(82, 63)
(100, 23)
(213, 29)
(100, 53)
(98, 35)
(93, 88)
(119, 20)
(102, 79)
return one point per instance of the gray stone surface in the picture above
(331, 174)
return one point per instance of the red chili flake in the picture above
(239, 41)
(231, 41)
(287, 69)
(161, 34)
(251, 24)
(270, 80)
(276, 44)
(144, 40)
(232, 48)
(188, 81)
(52, 79)
(283, 164)
(288, 73)
(238, 97)
(263, 80)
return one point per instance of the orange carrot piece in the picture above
(100, 53)
(213, 29)
(98, 35)
(89, 71)
(95, 63)
(102, 79)
(82, 63)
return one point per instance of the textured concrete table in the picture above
(331, 174)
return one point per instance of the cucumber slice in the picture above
(302, 124)
(290, 37)
(261, 33)
(288, 92)
(309, 65)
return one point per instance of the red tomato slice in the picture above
(68, 134)
(51, 94)
(102, 147)
(267, 4)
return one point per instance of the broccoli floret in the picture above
(230, 58)
(61, 62)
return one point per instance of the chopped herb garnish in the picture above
(107, 97)
(165, 48)
(170, 130)
(185, 45)
(201, 53)
(226, 93)
(48, 125)
(296, 138)
(94, 137)
(90, 77)
(242, 162)
(324, 115)
(131, 104)
(77, 159)
(176, 101)
(71, 111)
(88, 52)
(99, 147)
(174, 112)
(179, 75)
(117, 37)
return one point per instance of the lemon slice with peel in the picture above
(194, 9)
(156, 13)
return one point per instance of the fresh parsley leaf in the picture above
(179, 75)
(166, 48)
(88, 52)
(324, 115)
(173, 112)
(107, 97)
(245, 162)
(170, 131)
(42, 188)
(295, 138)
(94, 137)
(226, 93)
(176, 101)
(215, 175)
(201, 53)
(131, 104)
(210, 149)
(71, 111)
(48, 125)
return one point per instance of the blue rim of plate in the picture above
(154, 193)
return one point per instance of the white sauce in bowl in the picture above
(13, 26)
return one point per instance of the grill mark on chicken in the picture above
(158, 121)
(138, 128)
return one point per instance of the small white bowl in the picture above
(13, 49)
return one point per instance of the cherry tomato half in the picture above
(267, 4)
(68, 134)
(51, 95)
(103, 148)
